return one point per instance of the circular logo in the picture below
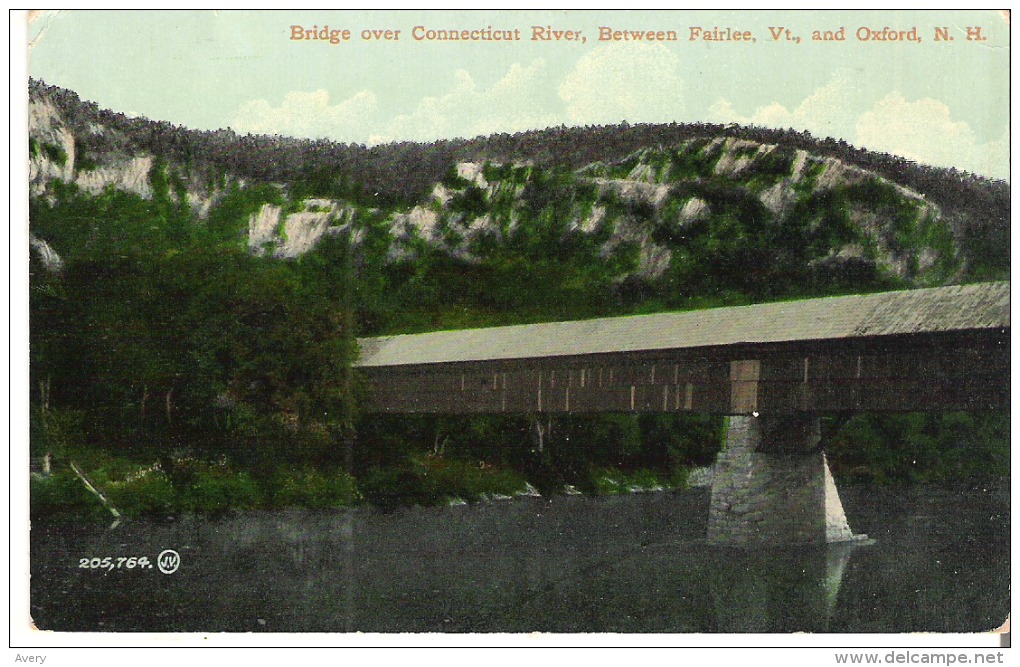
(168, 561)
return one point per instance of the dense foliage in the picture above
(954, 447)
(166, 340)
(182, 370)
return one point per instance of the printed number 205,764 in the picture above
(111, 563)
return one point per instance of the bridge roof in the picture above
(932, 310)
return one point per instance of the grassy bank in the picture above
(189, 485)
(185, 485)
(430, 460)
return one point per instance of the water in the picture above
(636, 563)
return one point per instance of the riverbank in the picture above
(93, 486)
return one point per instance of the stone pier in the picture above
(771, 486)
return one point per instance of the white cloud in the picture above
(607, 85)
(634, 82)
(823, 113)
(309, 115)
(610, 84)
(924, 130)
(511, 104)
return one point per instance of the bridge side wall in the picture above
(962, 373)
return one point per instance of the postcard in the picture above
(621, 327)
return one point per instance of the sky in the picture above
(941, 102)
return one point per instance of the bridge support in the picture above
(771, 486)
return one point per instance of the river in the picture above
(636, 563)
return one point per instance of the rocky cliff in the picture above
(641, 215)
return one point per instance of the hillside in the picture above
(195, 296)
(663, 226)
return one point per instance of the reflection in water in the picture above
(622, 564)
(779, 590)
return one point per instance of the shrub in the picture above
(391, 487)
(691, 161)
(680, 478)
(613, 481)
(431, 480)
(62, 496)
(215, 489)
(468, 480)
(768, 168)
(144, 493)
(607, 482)
(83, 161)
(921, 448)
(453, 180)
(471, 202)
(55, 153)
(497, 172)
(313, 488)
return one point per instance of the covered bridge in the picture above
(943, 348)
(775, 367)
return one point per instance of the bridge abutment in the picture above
(772, 486)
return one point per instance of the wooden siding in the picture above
(920, 372)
